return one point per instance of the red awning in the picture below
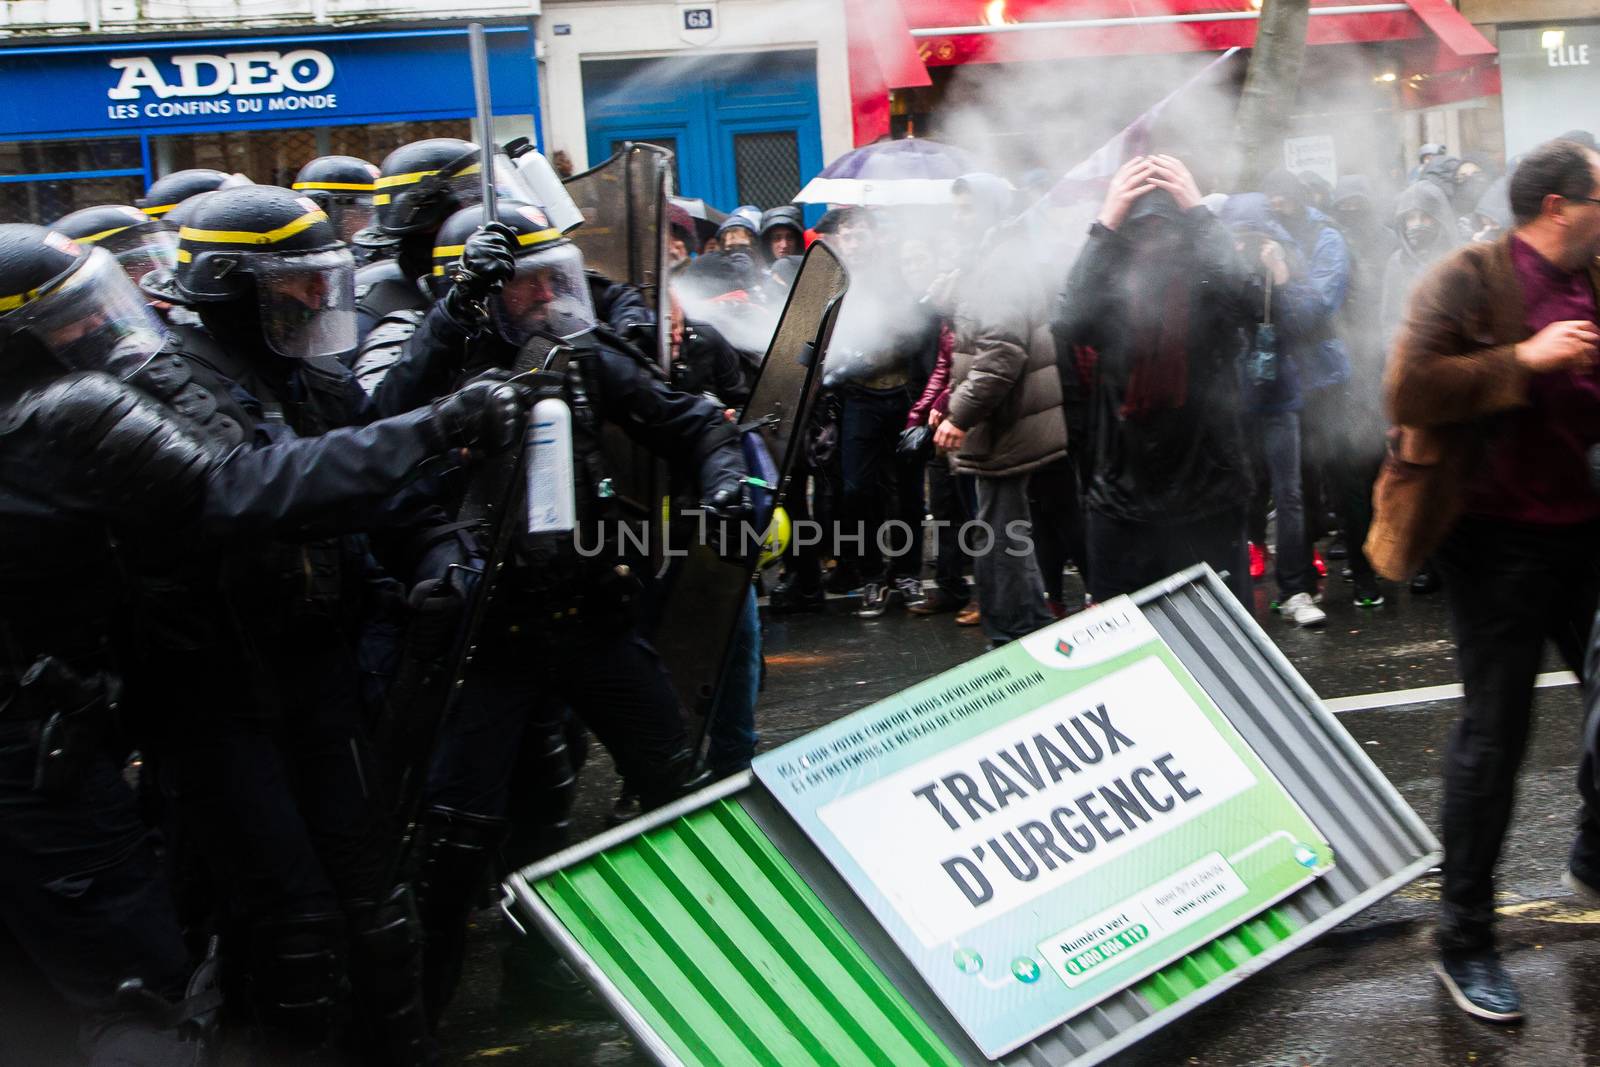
(893, 42)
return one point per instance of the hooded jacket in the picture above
(1408, 263)
(1188, 461)
(1495, 205)
(1005, 390)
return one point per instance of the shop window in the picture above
(767, 167)
(70, 157)
(43, 202)
(275, 156)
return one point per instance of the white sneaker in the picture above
(1303, 612)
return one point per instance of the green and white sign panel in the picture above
(1048, 824)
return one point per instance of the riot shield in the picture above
(705, 593)
(624, 231)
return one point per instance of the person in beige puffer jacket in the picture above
(1005, 422)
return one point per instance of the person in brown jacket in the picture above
(1005, 421)
(1494, 387)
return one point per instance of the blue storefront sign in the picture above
(155, 87)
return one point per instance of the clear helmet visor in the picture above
(308, 302)
(548, 295)
(95, 319)
(350, 215)
(145, 250)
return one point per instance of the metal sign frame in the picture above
(1380, 844)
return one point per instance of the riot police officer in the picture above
(419, 185)
(167, 192)
(343, 186)
(563, 624)
(114, 454)
(278, 787)
(140, 243)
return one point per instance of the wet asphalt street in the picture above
(1361, 995)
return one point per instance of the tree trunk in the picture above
(1270, 84)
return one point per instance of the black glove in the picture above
(488, 260)
(729, 531)
(485, 415)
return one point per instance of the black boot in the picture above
(386, 980)
(299, 987)
(454, 850)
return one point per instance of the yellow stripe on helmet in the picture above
(103, 234)
(184, 256)
(392, 180)
(523, 241)
(355, 187)
(158, 211)
(248, 237)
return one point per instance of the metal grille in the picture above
(274, 157)
(45, 201)
(767, 167)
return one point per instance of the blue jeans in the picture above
(1010, 585)
(1280, 447)
(731, 735)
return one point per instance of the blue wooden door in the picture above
(744, 127)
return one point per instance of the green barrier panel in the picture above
(731, 958)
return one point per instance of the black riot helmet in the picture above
(72, 302)
(342, 186)
(172, 190)
(548, 294)
(268, 252)
(140, 243)
(419, 186)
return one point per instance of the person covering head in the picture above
(140, 243)
(737, 231)
(1424, 221)
(1286, 196)
(782, 232)
(1319, 194)
(168, 192)
(1491, 217)
(343, 186)
(548, 295)
(71, 303)
(263, 266)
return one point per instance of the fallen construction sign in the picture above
(1039, 857)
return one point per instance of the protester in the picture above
(1274, 397)
(782, 233)
(1354, 466)
(1160, 297)
(1005, 419)
(880, 357)
(1494, 389)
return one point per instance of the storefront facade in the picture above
(1550, 77)
(98, 122)
(751, 95)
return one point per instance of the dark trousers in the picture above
(881, 487)
(615, 684)
(1127, 556)
(949, 507)
(1510, 588)
(285, 811)
(81, 894)
(1057, 522)
(1351, 476)
(1005, 562)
